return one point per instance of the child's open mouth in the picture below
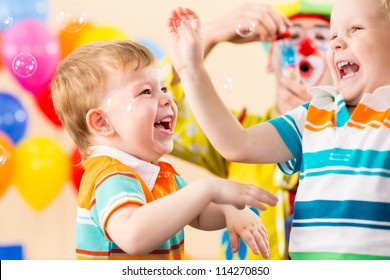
(347, 69)
(164, 124)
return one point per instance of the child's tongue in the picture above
(349, 69)
(163, 125)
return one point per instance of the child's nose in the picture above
(165, 99)
(337, 44)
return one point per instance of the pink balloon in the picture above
(32, 37)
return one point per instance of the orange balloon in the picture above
(41, 170)
(6, 162)
(68, 41)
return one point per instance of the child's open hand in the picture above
(245, 224)
(240, 195)
(185, 41)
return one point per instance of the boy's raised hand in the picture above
(185, 41)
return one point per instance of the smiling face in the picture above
(144, 125)
(359, 55)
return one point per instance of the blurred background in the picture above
(38, 175)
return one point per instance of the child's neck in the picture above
(350, 109)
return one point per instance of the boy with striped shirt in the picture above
(339, 141)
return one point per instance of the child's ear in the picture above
(98, 124)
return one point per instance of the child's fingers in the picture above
(257, 197)
(190, 13)
(256, 238)
(234, 241)
(261, 243)
(263, 232)
(250, 241)
(189, 17)
(262, 195)
(174, 21)
(181, 13)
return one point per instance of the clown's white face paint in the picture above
(309, 37)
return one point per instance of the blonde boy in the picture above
(340, 141)
(132, 204)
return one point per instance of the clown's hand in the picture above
(266, 22)
(291, 95)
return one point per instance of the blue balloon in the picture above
(13, 117)
(11, 252)
(158, 51)
(25, 9)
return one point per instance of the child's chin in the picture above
(168, 149)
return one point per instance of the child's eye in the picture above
(356, 28)
(164, 89)
(146, 91)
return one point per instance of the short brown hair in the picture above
(81, 80)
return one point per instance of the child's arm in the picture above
(260, 143)
(139, 229)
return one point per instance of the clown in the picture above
(309, 35)
(308, 32)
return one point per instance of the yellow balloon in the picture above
(100, 34)
(41, 170)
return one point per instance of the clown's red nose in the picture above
(307, 47)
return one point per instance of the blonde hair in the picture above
(81, 80)
(386, 6)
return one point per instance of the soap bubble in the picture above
(245, 27)
(119, 102)
(72, 18)
(6, 20)
(3, 156)
(223, 83)
(24, 65)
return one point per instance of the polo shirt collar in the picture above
(382, 94)
(146, 170)
(379, 100)
(322, 91)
